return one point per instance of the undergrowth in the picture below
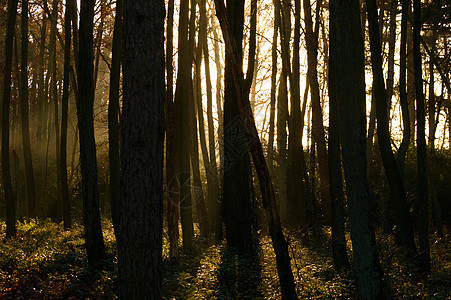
(46, 262)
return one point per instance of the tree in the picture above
(6, 172)
(348, 57)
(141, 209)
(422, 204)
(181, 129)
(384, 139)
(64, 118)
(113, 114)
(91, 214)
(242, 86)
(336, 177)
(31, 194)
(237, 175)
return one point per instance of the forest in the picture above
(211, 149)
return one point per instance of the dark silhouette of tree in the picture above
(181, 127)
(242, 86)
(237, 175)
(335, 176)
(348, 57)
(141, 209)
(6, 105)
(422, 199)
(113, 115)
(172, 199)
(64, 118)
(31, 193)
(91, 214)
(384, 139)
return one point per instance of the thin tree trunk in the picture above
(383, 133)
(181, 133)
(402, 151)
(113, 114)
(272, 112)
(64, 119)
(311, 38)
(391, 54)
(6, 105)
(91, 214)
(172, 199)
(99, 42)
(423, 218)
(31, 193)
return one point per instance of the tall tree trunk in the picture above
(402, 151)
(141, 208)
(172, 199)
(348, 56)
(31, 193)
(6, 105)
(410, 74)
(64, 119)
(113, 114)
(196, 113)
(212, 173)
(297, 207)
(383, 133)
(272, 112)
(391, 54)
(269, 202)
(182, 174)
(311, 39)
(41, 96)
(91, 214)
(98, 42)
(423, 218)
(236, 188)
(336, 178)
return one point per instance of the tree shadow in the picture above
(239, 276)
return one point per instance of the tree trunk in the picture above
(348, 56)
(336, 178)
(31, 194)
(383, 133)
(91, 214)
(181, 132)
(236, 188)
(402, 151)
(212, 172)
(272, 112)
(311, 39)
(423, 218)
(64, 118)
(269, 202)
(6, 105)
(172, 199)
(113, 114)
(141, 208)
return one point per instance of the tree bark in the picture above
(31, 193)
(182, 174)
(91, 214)
(237, 175)
(336, 178)
(6, 105)
(113, 114)
(348, 56)
(64, 119)
(423, 218)
(172, 199)
(141, 208)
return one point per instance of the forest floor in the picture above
(46, 262)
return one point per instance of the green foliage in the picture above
(46, 262)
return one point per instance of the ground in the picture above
(46, 262)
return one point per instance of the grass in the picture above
(46, 262)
